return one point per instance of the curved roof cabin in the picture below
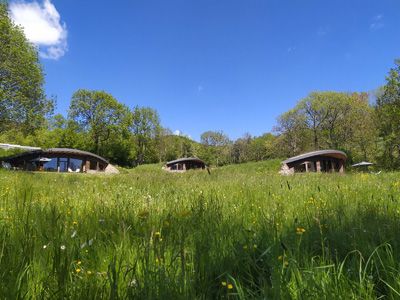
(315, 161)
(184, 164)
(60, 160)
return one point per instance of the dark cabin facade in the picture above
(315, 161)
(184, 164)
(60, 160)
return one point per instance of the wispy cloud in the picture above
(291, 49)
(42, 26)
(376, 23)
(322, 31)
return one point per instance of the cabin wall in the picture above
(314, 164)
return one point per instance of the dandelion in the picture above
(300, 230)
(63, 247)
(74, 223)
(78, 270)
(230, 286)
(157, 234)
(78, 262)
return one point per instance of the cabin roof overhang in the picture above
(56, 152)
(184, 160)
(324, 153)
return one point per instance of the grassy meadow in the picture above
(242, 232)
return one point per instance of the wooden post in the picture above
(306, 164)
(87, 168)
(318, 166)
(341, 166)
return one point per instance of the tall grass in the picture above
(242, 232)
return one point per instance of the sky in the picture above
(230, 65)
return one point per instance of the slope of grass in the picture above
(241, 232)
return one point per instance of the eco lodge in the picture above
(184, 164)
(59, 160)
(315, 161)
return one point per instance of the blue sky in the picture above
(231, 65)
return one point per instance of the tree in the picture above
(100, 115)
(23, 104)
(264, 147)
(145, 127)
(388, 116)
(216, 147)
(293, 135)
(241, 149)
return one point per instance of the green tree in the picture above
(23, 104)
(100, 115)
(264, 147)
(216, 148)
(293, 134)
(241, 151)
(145, 127)
(388, 117)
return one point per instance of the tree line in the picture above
(129, 136)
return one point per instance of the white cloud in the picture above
(376, 23)
(42, 26)
(177, 132)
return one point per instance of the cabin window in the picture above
(50, 166)
(75, 165)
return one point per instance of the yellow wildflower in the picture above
(230, 286)
(223, 283)
(78, 270)
(300, 230)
